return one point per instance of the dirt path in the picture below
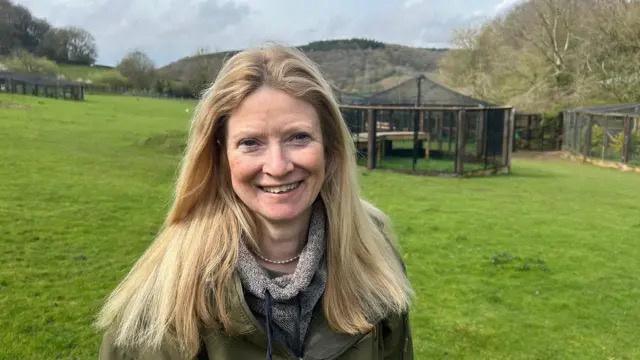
(538, 155)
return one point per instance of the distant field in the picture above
(541, 264)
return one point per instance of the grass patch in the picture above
(538, 264)
(81, 72)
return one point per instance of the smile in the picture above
(280, 189)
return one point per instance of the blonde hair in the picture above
(167, 294)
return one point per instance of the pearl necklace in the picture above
(278, 262)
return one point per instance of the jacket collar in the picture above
(321, 343)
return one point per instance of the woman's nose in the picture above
(277, 161)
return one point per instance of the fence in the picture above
(31, 84)
(432, 139)
(608, 133)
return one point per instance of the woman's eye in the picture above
(301, 138)
(248, 144)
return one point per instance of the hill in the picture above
(354, 65)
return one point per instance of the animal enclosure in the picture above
(607, 133)
(432, 139)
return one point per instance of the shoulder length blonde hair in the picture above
(167, 294)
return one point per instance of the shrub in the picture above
(110, 80)
(23, 62)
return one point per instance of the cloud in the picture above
(410, 3)
(168, 30)
(505, 5)
(165, 29)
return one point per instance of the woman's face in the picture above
(276, 155)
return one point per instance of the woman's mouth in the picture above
(281, 189)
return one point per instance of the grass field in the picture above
(540, 264)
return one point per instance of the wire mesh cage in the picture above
(607, 133)
(431, 140)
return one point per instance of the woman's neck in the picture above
(284, 239)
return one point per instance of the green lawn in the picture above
(540, 264)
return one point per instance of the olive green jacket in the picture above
(390, 339)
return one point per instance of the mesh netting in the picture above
(430, 141)
(607, 133)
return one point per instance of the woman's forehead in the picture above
(269, 107)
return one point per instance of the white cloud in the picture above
(171, 29)
(410, 3)
(505, 5)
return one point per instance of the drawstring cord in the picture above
(268, 319)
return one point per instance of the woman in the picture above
(268, 249)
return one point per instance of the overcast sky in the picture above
(168, 30)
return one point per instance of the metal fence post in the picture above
(586, 150)
(626, 145)
(511, 129)
(371, 139)
(505, 136)
(460, 132)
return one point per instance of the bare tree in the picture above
(544, 55)
(138, 68)
(200, 71)
(616, 48)
(80, 46)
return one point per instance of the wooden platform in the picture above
(390, 136)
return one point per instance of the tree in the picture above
(19, 29)
(69, 45)
(545, 55)
(200, 70)
(53, 45)
(615, 48)
(110, 80)
(80, 46)
(138, 68)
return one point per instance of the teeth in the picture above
(280, 189)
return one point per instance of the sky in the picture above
(168, 30)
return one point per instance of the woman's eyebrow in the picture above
(246, 132)
(298, 125)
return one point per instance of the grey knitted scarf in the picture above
(294, 295)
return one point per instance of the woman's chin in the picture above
(283, 215)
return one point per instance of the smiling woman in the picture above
(268, 249)
(276, 155)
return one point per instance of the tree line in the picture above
(546, 55)
(21, 31)
(30, 44)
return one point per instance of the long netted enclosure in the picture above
(39, 85)
(606, 133)
(432, 139)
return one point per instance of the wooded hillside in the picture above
(355, 65)
(21, 31)
(545, 55)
